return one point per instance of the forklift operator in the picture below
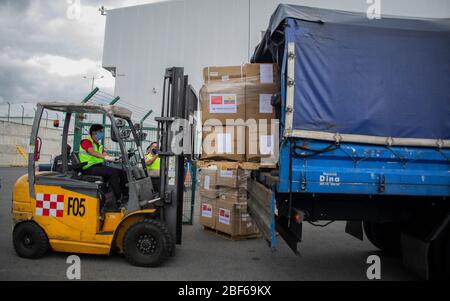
(93, 153)
(153, 163)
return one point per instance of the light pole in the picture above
(93, 80)
(23, 112)
(9, 109)
(103, 11)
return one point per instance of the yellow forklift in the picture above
(64, 211)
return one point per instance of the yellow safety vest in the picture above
(155, 165)
(87, 157)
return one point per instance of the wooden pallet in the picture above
(231, 237)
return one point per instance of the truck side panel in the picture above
(322, 167)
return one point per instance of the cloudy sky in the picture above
(48, 46)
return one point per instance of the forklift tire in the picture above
(147, 243)
(384, 236)
(30, 241)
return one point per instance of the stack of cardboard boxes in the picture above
(237, 115)
(238, 127)
(223, 195)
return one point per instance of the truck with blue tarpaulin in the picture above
(364, 113)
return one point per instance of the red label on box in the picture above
(207, 210)
(216, 100)
(224, 216)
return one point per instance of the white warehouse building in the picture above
(142, 41)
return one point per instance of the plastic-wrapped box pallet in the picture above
(242, 94)
(230, 208)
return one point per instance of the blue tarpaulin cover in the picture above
(387, 77)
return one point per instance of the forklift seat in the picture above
(77, 169)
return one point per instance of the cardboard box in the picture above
(230, 174)
(209, 193)
(223, 74)
(208, 212)
(227, 174)
(208, 183)
(223, 101)
(234, 219)
(224, 143)
(261, 83)
(266, 74)
(233, 195)
(260, 143)
(258, 101)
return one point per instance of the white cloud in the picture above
(62, 66)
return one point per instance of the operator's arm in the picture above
(95, 154)
(151, 160)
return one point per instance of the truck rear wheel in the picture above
(147, 243)
(384, 236)
(30, 241)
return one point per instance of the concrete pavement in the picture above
(326, 254)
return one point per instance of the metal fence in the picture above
(23, 113)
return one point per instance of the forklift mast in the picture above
(179, 104)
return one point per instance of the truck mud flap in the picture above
(355, 229)
(417, 252)
(261, 206)
(416, 255)
(288, 235)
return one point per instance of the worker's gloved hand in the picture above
(111, 159)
